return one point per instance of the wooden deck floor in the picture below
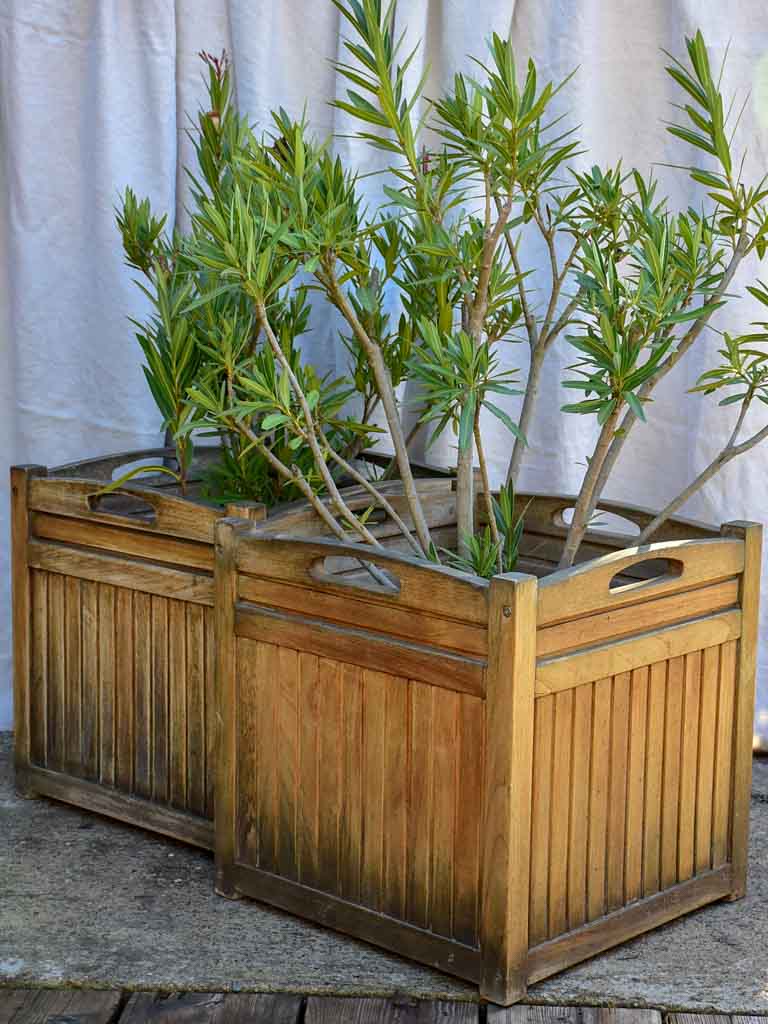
(56, 1006)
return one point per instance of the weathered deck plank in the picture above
(58, 1006)
(211, 1008)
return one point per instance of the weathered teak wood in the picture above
(211, 1008)
(114, 645)
(507, 786)
(607, 743)
(22, 617)
(749, 598)
(45, 1006)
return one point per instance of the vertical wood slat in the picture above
(598, 799)
(21, 611)
(721, 805)
(654, 777)
(422, 786)
(142, 689)
(265, 711)
(579, 809)
(38, 678)
(55, 703)
(232, 674)
(124, 689)
(374, 718)
(689, 757)
(287, 738)
(749, 598)
(244, 792)
(160, 700)
(309, 796)
(73, 697)
(670, 812)
(210, 710)
(559, 815)
(107, 684)
(710, 668)
(91, 709)
(196, 746)
(444, 811)
(329, 772)
(506, 856)
(177, 689)
(466, 854)
(351, 829)
(638, 717)
(617, 792)
(540, 818)
(395, 797)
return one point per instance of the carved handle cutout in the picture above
(645, 573)
(355, 573)
(123, 504)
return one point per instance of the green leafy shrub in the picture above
(633, 285)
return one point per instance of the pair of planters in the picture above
(497, 778)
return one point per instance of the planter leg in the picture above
(224, 886)
(25, 788)
(503, 992)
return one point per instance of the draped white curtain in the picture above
(94, 96)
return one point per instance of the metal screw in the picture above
(507, 611)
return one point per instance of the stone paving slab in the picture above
(88, 902)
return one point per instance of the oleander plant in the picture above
(278, 223)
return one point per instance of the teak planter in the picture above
(497, 779)
(113, 639)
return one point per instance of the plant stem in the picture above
(487, 496)
(465, 498)
(377, 497)
(388, 401)
(584, 503)
(526, 413)
(629, 419)
(730, 451)
(310, 433)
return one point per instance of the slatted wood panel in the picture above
(361, 784)
(632, 776)
(122, 690)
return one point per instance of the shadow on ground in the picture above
(88, 902)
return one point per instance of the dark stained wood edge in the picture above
(132, 810)
(508, 781)
(374, 651)
(585, 942)
(361, 923)
(131, 574)
(21, 605)
(749, 597)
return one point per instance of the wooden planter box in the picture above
(114, 644)
(496, 779)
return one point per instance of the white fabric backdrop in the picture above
(93, 95)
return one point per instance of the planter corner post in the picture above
(21, 604)
(749, 599)
(508, 772)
